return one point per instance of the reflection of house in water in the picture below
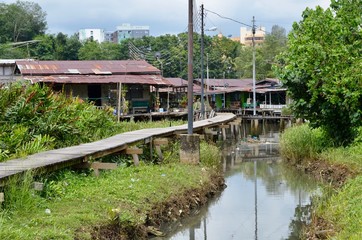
(98, 81)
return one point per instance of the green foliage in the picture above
(344, 209)
(35, 119)
(19, 193)
(301, 143)
(92, 50)
(21, 21)
(209, 155)
(275, 42)
(350, 156)
(322, 69)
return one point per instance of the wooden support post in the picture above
(134, 152)
(2, 198)
(158, 143)
(103, 166)
(223, 129)
(38, 186)
(96, 166)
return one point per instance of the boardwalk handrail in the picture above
(64, 157)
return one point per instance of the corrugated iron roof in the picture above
(89, 79)
(177, 82)
(86, 67)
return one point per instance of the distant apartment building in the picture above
(126, 31)
(122, 32)
(246, 36)
(92, 34)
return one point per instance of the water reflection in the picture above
(264, 198)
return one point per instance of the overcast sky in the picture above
(169, 16)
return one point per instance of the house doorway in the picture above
(95, 94)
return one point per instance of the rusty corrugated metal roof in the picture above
(86, 67)
(89, 79)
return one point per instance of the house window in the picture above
(136, 92)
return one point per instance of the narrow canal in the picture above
(264, 199)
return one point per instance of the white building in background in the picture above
(94, 34)
(122, 32)
(246, 36)
(126, 31)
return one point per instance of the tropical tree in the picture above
(275, 42)
(322, 68)
(21, 21)
(92, 50)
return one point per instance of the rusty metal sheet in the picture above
(100, 79)
(33, 67)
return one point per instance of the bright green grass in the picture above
(83, 201)
(344, 210)
(350, 156)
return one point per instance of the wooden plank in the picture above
(209, 131)
(134, 151)
(160, 141)
(97, 165)
(103, 165)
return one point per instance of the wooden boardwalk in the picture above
(64, 157)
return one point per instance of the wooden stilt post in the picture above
(223, 129)
(2, 198)
(134, 152)
(158, 143)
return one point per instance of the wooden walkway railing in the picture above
(60, 158)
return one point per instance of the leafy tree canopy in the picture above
(275, 42)
(322, 68)
(21, 21)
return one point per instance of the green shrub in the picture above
(302, 143)
(209, 154)
(33, 119)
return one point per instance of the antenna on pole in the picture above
(254, 93)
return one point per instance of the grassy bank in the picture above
(338, 216)
(119, 203)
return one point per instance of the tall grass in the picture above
(78, 203)
(344, 210)
(302, 143)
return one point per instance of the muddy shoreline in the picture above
(334, 175)
(176, 207)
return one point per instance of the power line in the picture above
(231, 19)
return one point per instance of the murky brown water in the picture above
(264, 199)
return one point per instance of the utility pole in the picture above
(202, 63)
(190, 70)
(254, 93)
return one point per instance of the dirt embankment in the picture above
(334, 175)
(174, 208)
(325, 172)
